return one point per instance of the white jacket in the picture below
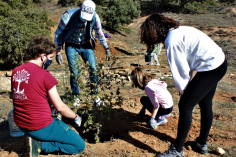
(189, 49)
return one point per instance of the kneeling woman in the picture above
(31, 87)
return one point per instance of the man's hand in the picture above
(108, 54)
(152, 123)
(78, 120)
(59, 58)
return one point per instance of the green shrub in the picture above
(20, 26)
(96, 116)
(231, 1)
(120, 12)
(197, 6)
(65, 3)
(37, 1)
(18, 4)
(5, 9)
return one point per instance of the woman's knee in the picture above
(80, 147)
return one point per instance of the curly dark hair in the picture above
(155, 29)
(38, 45)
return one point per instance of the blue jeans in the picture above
(87, 54)
(58, 137)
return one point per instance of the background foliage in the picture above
(20, 21)
(120, 13)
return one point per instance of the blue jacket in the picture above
(69, 22)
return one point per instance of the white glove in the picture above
(152, 123)
(78, 120)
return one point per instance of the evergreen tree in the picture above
(17, 26)
(120, 12)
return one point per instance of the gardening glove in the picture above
(152, 123)
(59, 58)
(108, 54)
(78, 121)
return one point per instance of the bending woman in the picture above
(188, 49)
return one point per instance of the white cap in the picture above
(87, 10)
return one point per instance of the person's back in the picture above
(200, 51)
(31, 87)
(30, 84)
(158, 94)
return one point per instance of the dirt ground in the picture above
(128, 134)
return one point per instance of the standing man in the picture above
(75, 30)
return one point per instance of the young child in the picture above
(158, 100)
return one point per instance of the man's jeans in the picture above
(87, 54)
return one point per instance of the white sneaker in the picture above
(98, 102)
(157, 63)
(77, 102)
(162, 120)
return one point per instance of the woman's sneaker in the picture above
(172, 152)
(201, 148)
(161, 120)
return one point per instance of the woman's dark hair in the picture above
(38, 45)
(155, 29)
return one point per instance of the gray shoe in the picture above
(197, 147)
(172, 152)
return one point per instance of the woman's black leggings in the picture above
(200, 90)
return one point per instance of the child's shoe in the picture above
(161, 120)
(166, 116)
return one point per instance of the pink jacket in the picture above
(158, 93)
